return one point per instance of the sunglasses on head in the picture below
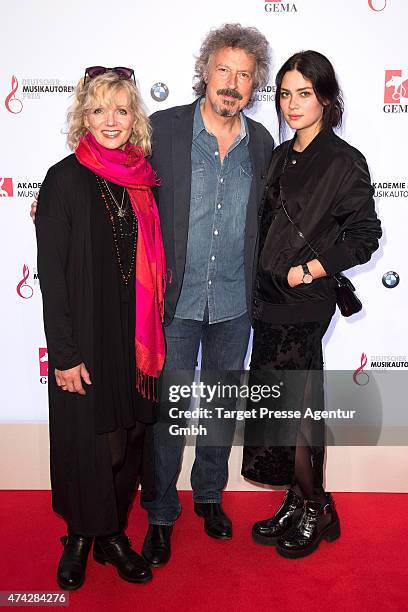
(120, 71)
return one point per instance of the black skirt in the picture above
(288, 357)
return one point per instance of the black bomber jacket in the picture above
(328, 195)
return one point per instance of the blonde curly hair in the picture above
(85, 96)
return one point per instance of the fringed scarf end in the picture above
(147, 386)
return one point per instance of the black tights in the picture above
(304, 480)
(308, 477)
(126, 448)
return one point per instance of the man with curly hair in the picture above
(212, 161)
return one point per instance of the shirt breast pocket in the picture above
(245, 170)
(197, 183)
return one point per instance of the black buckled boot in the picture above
(268, 532)
(317, 522)
(72, 565)
(117, 550)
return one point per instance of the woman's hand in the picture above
(71, 380)
(295, 274)
(33, 210)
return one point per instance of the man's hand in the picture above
(33, 210)
(71, 380)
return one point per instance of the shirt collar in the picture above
(198, 125)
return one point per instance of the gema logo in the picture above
(6, 187)
(395, 92)
(43, 363)
(278, 6)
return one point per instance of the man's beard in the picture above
(224, 111)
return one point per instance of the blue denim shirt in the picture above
(214, 271)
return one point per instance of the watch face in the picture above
(307, 279)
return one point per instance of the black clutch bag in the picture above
(346, 297)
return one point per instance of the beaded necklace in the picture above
(120, 225)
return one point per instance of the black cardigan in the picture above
(328, 195)
(81, 480)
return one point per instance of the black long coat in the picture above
(81, 474)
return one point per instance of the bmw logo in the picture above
(159, 92)
(390, 280)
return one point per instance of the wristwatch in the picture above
(307, 275)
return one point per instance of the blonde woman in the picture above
(101, 267)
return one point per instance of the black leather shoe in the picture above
(72, 565)
(317, 522)
(117, 551)
(216, 522)
(156, 546)
(268, 532)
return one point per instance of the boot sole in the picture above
(265, 540)
(104, 561)
(330, 534)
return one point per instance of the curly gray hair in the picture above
(236, 36)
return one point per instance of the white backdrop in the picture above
(45, 47)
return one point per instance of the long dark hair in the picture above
(319, 71)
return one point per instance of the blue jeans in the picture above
(223, 347)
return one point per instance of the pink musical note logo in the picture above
(14, 105)
(374, 7)
(360, 377)
(25, 290)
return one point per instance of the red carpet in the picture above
(365, 570)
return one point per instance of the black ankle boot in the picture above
(157, 545)
(268, 532)
(216, 523)
(72, 565)
(317, 522)
(117, 550)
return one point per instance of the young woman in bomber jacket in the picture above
(319, 200)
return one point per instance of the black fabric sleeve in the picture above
(359, 227)
(53, 229)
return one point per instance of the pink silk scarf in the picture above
(129, 168)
